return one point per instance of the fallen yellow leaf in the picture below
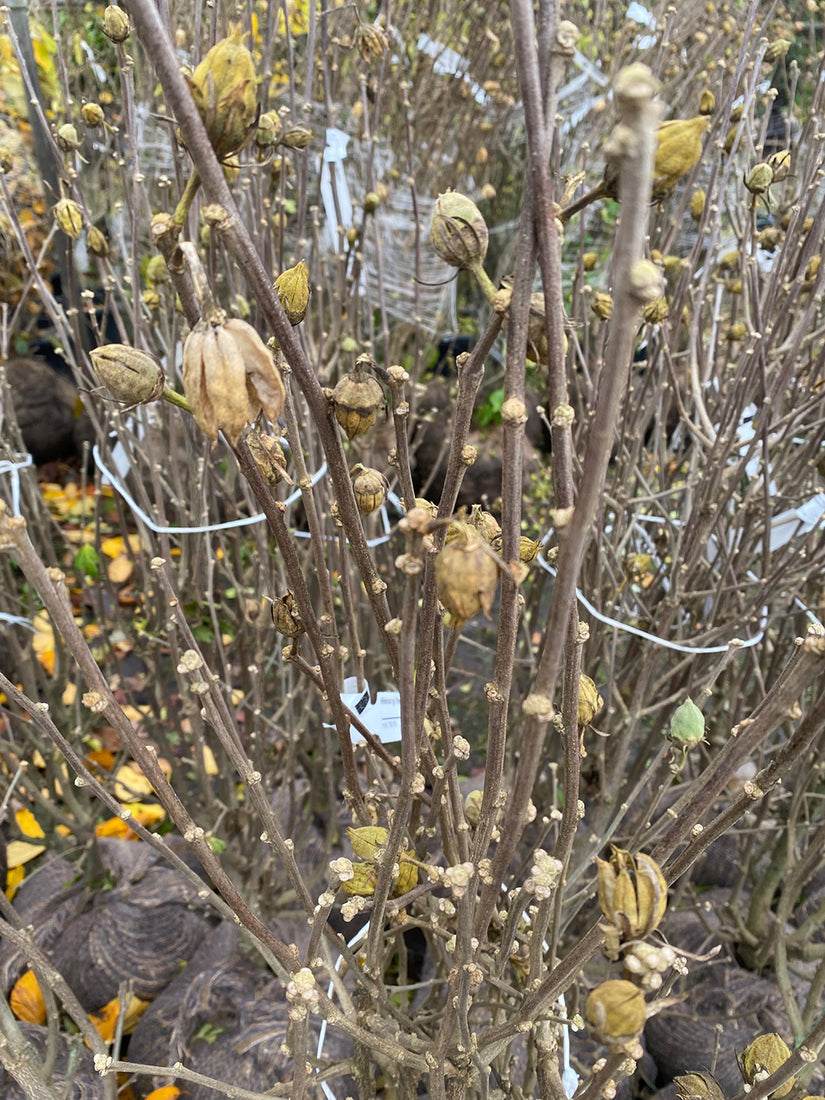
(69, 695)
(132, 785)
(13, 880)
(210, 765)
(28, 824)
(26, 1000)
(168, 1092)
(19, 852)
(116, 546)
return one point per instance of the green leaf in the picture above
(87, 561)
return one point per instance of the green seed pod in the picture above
(687, 726)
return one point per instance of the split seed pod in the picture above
(698, 1086)
(357, 399)
(269, 457)
(458, 230)
(466, 575)
(286, 617)
(69, 217)
(223, 87)
(616, 1013)
(632, 896)
(229, 375)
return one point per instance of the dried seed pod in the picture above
(367, 843)
(66, 137)
(369, 486)
(92, 114)
(458, 231)
(589, 260)
(763, 1057)
(737, 331)
(69, 217)
(357, 399)
(229, 375)
(776, 49)
(528, 549)
(286, 617)
(769, 238)
(632, 895)
(116, 25)
(363, 882)
(269, 129)
(707, 104)
(780, 164)
(96, 242)
(466, 575)
(485, 523)
(656, 311)
(269, 456)
(616, 1013)
(132, 376)
(698, 1086)
(371, 41)
(223, 87)
(759, 179)
(697, 204)
(296, 137)
(292, 287)
(590, 702)
(602, 305)
(472, 807)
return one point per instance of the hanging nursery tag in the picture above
(382, 718)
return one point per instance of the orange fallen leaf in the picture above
(43, 641)
(28, 824)
(168, 1092)
(105, 1019)
(116, 546)
(120, 569)
(103, 758)
(26, 1000)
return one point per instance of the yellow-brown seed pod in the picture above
(602, 305)
(811, 271)
(286, 617)
(780, 164)
(69, 217)
(697, 204)
(66, 137)
(367, 842)
(369, 486)
(616, 1013)
(296, 137)
(759, 179)
(656, 311)
(589, 702)
(292, 287)
(485, 523)
(632, 893)
(371, 41)
(707, 104)
(224, 89)
(357, 399)
(763, 1057)
(698, 1086)
(589, 260)
(268, 132)
(132, 376)
(776, 49)
(96, 242)
(472, 807)
(737, 331)
(678, 150)
(92, 114)
(528, 549)
(363, 882)
(116, 25)
(769, 238)
(466, 575)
